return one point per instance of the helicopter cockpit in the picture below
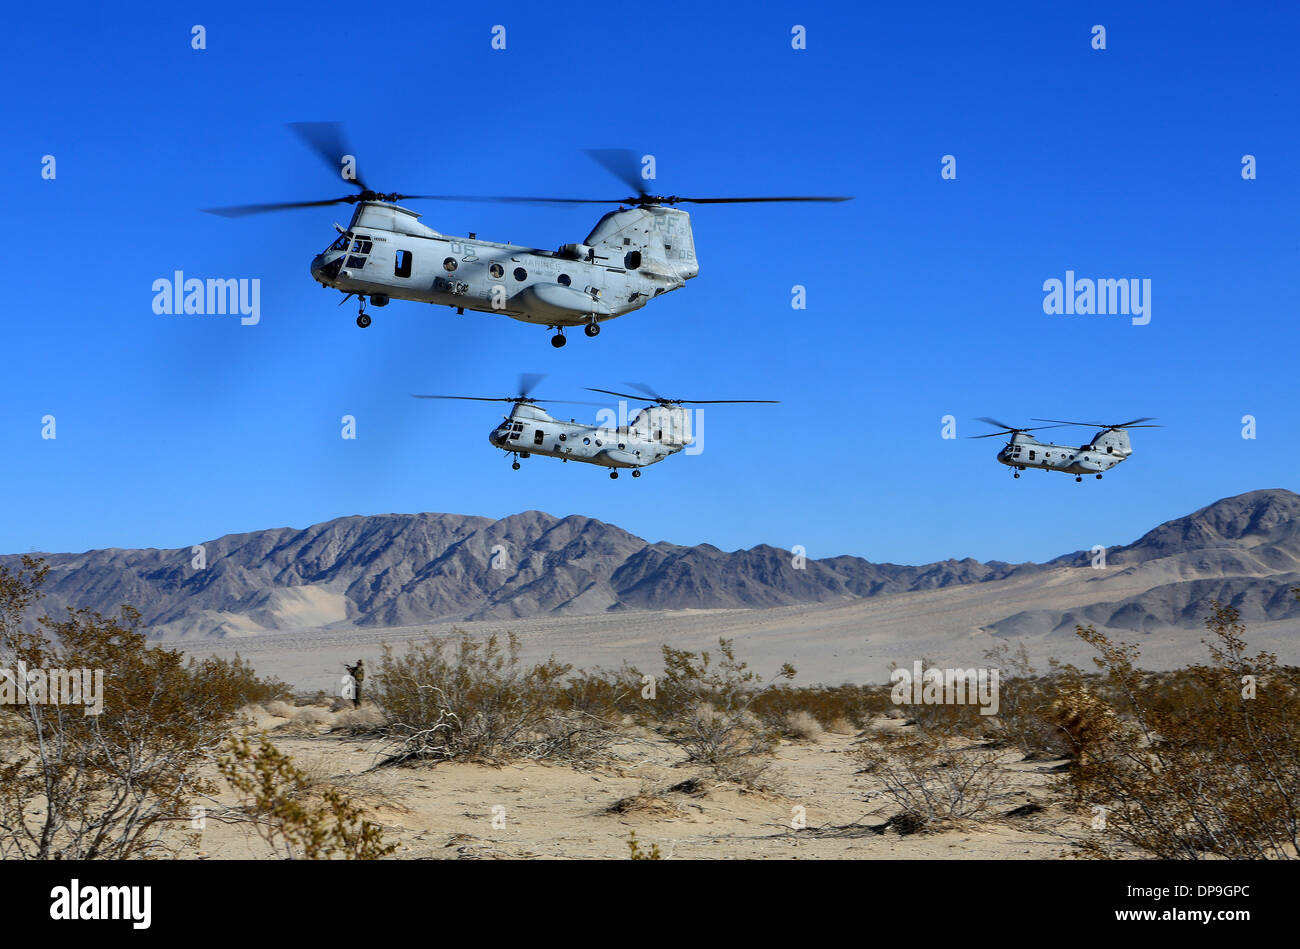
(327, 264)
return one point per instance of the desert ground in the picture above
(531, 809)
(447, 810)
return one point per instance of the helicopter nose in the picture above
(317, 265)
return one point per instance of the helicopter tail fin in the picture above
(654, 238)
(1113, 441)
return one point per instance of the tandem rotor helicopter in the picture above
(633, 254)
(655, 432)
(1108, 447)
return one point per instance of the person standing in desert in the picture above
(358, 673)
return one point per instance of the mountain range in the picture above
(406, 569)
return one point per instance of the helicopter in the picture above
(654, 433)
(642, 249)
(1108, 447)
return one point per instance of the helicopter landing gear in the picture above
(636, 472)
(515, 465)
(363, 320)
(558, 339)
(1098, 477)
(613, 475)
(1015, 474)
(592, 328)
(1078, 477)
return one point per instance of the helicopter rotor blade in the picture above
(804, 198)
(621, 395)
(510, 199)
(327, 140)
(528, 382)
(623, 163)
(993, 421)
(1132, 424)
(664, 401)
(640, 198)
(242, 210)
(648, 390)
(1010, 429)
(463, 398)
(517, 399)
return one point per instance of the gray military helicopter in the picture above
(1108, 447)
(632, 255)
(655, 432)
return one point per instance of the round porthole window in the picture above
(496, 270)
(586, 441)
(621, 446)
(449, 264)
(564, 437)
(521, 273)
(564, 280)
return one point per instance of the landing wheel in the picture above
(515, 466)
(558, 340)
(363, 320)
(1015, 474)
(1079, 478)
(1098, 477)
(592, 329)
(636, 473)
(614, 475)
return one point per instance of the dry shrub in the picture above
(704, 707)
(650, 799)
(106, 786)
(1025, 702)
(280, 709)
(312, 715)
(457, 697)
(828, 705)
(276, 795)
(1085, 719)
(358, 721)
(1217, 774)
(801, 726)
(934, 783)
(942, 719)
(236, 678)
(842, 726)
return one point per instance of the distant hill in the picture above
(407, 569)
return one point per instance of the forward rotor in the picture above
(527, 383)
(1009, 429)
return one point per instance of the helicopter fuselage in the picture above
(1107, 449)
(631, 256)
(654, 434)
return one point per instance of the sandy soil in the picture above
(447, 811)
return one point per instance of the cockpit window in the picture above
(361, 246)
(341, 243)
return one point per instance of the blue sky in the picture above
(924, 295)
